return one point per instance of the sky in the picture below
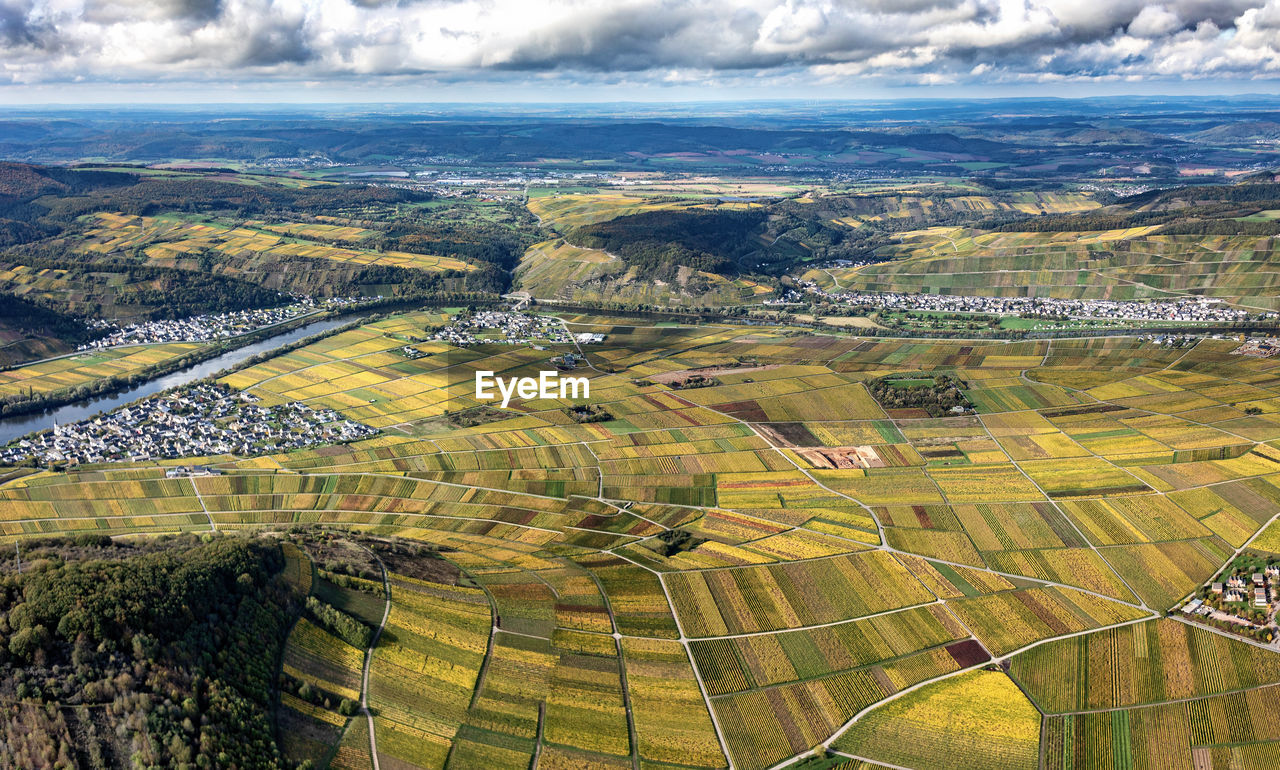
(86, 51)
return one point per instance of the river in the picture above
(21, 425)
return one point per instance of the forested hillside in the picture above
(155, 654)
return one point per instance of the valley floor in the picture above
(733, 574)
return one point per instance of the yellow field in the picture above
(315, 231)
(976, 720)
(90, 366)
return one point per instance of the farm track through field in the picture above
(834, 280)
(693, 664)
(1141, 602)
(1189, 699)
(557, 233)
(488, 650)
(884, 546)
(368, 661)
(212, 525)
(537, 747)
(875, 762)
(684, 640)
(826, 745)
(622, 673)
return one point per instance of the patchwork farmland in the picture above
(764, 567)
(1133, 263)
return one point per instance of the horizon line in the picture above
(798, 100)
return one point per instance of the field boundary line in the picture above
(693, 665)
(875, 762)
(1142, 603)
(622, 664)
(841, 730)
(1175, 701)
(212, 524)
(368, 661)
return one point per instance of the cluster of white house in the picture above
(209, 326)
(511, 329)
(1200, 309)
(199, 420)
(1259, 347)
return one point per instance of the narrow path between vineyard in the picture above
(368, 662)
(212, 525)
(693, 664)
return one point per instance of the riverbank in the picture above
(14, 426)
(43, 402)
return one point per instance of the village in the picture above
(506, 328)
(202, 419)
(1259, 347)
(1199, 309)
(210, 326)
(1243, 599)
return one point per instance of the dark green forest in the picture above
(769, 240)
(657, 243)
(155, 654)
(25, 316)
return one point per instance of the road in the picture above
(212, 525)
(693, 665)
(368, 662)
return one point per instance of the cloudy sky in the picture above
(202, 50)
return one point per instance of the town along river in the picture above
(21, 425)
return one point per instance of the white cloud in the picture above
(664, 41)
(1154, 21)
